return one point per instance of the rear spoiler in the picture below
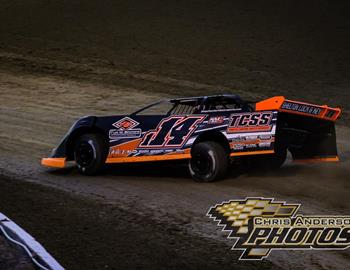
(307, 130)
(282, 104)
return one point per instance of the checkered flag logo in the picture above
(236, 217)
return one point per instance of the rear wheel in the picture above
(209, 162)
(90, 153)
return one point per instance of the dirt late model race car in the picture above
(209, 131)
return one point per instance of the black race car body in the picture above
(168, 130)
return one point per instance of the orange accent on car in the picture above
(187, 150)
(251, 142)
(262, 152)
(126, 124)
(318, 159)
(184, 151)
(124, 149)
(147, 158)
(325, 111)
(248, 129)
(273, 103)
(54, 162)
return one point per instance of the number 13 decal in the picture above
(171, 132)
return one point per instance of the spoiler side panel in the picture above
(282, 104)
(308, 138)
(308, 130)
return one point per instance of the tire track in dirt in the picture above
(166, 192)
(95, 69)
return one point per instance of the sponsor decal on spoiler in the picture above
(301, 108)
(261, 225)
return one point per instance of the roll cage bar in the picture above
(195, 105)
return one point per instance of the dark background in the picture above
(60, 60)
(300, 49)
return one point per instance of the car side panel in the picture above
(148, 138)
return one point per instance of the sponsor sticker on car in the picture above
(125, 129)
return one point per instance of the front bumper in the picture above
(53, 162)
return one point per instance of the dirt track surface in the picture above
(34, 121)
(295, 48)
(66, 59)
(85, 234)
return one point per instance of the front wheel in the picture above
(209, 162)
(90, 153)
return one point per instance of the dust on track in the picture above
(84, 234)
(65, 59)
(37, 110)
(269, 48)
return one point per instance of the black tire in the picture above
(90, 153)
(209, 162)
